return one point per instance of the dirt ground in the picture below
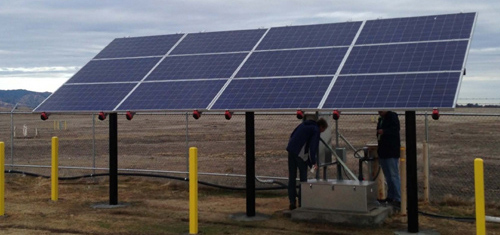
(161, 206)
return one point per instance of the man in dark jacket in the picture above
(302, 152)
(389, 145)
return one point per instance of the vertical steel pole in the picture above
(113, 159)
(250, 162)
(411, 170)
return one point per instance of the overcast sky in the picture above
(43, 43)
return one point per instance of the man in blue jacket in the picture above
(302, 152)
(389, 145)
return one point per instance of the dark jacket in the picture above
(305, 133)
(389, 143)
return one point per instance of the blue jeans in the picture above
(294, 162)
(390, 167)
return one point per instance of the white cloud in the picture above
(40, 69)
(40, 82)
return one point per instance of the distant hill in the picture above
(30, 99)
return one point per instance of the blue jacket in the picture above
(305, 133)
(389, 143)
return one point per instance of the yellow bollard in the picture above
(2, 179)
(479, 189)
(55, 169)
(193, 190)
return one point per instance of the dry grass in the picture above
(160, 206)
(157, 206)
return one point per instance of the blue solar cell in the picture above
(229, 41)
(411, 57)
(139, 46)
(199, 66)
(424, 28)
(276, 93)
(178, 95)
(339, 34)
(94, 97)
(394, 91)
(120, 70)
(293, 62)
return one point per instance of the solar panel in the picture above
(410, 57)
(424, 28)
(195, 67)
(323, 35)
(394, 91)
(278, 93)
(214, 42)
(401, 63)
(121, 70)
(293, 62)
(178, 95)
(90, 97)
(139, 46)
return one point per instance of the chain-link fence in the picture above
(158, 143)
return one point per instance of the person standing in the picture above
(302, 152)
(389, 144)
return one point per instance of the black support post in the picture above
(250, 162)
(411, 169)
(113, 159)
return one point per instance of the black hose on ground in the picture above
(283, 186)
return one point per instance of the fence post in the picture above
(402, 176)
(93, 143)
(479, 193)
(55, 169)
(2, 179)
(426, 171)
(187, 145)
(193, 190)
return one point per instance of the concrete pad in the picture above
(372, 218)
(422, 232)
(108, 206)
(242, 216)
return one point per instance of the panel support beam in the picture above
(250, 162)
(113, 159)
(411, 168)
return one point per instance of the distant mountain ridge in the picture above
(30, 99)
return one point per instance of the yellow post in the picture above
(479, 188)
(402, 175)
(372, 151)
(55, 168)
(2, 179)
(193, 190)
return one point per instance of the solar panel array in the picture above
(402, 63)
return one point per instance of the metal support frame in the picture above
(411, 167)
(113, 159)
(250, 162)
